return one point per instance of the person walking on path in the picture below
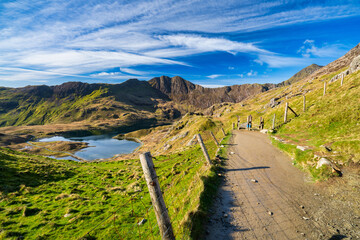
(249, 122)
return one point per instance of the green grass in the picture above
(304, 160)
(332, 120)
(38, 192)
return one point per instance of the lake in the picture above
(100, 146)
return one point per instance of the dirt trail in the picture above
(265, 197)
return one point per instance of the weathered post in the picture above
(203, 148)
(304, 104)
(342, 79)
(273, 124)
(260, 125)
(157, 199)
(215, 140)
(238, 122)
(324, 88)
(233, 125)
(286, 110)
(222, 129)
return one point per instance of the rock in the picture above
(323, 161)
(302, 207)
(67, 215)
(273, 103)
(166, 146)
(142, 221)
(355, 64)
(193, 141)
(306, 218)
(254, 180)
(302, 148)
(270, 213)
(225, 215)
(265, 131)
(232, 153)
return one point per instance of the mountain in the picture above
(160, 99)
(77, 101)
(182, 91)
(303, 73)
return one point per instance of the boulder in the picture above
(265, 131)
(323, 161)
(273, 103)
(302, 148)
(193, 141)
(355, 64)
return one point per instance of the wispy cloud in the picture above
(278, 61)
(252, 73)
(206, 44)
(309, 49)
(214, 76)
(83, 38)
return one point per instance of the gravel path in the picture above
(265, 197)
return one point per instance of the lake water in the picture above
(100, 146)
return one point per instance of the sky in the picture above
(210, 42)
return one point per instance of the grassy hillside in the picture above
(42, 198)
(74, 101)
(331, 120)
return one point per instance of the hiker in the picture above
(261, 126)
(249, 121)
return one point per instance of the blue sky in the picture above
(212, 43)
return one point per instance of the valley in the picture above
(45, 198)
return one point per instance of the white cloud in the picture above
(309, 49)
(212, 85)
(278, 61)
(214, 76)
(82, 37)
(252, 73)
(205, 44)
(133, 71)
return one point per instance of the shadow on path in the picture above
(246, 169)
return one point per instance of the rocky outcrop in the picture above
(354, 67)
(338, 64)
(182, 91)
(355, 64)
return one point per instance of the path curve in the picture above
(263, 196)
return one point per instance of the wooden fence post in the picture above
(286, 110)
(273, 123)
(342, 79)
(157, 199)
(324, 88)
(222, 129)
(238, 122)
(203, 148)
(215, 140)
(233, 125)
(304, 104)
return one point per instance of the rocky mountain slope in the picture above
(303, 73)
(180, 90)
(160, 99)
